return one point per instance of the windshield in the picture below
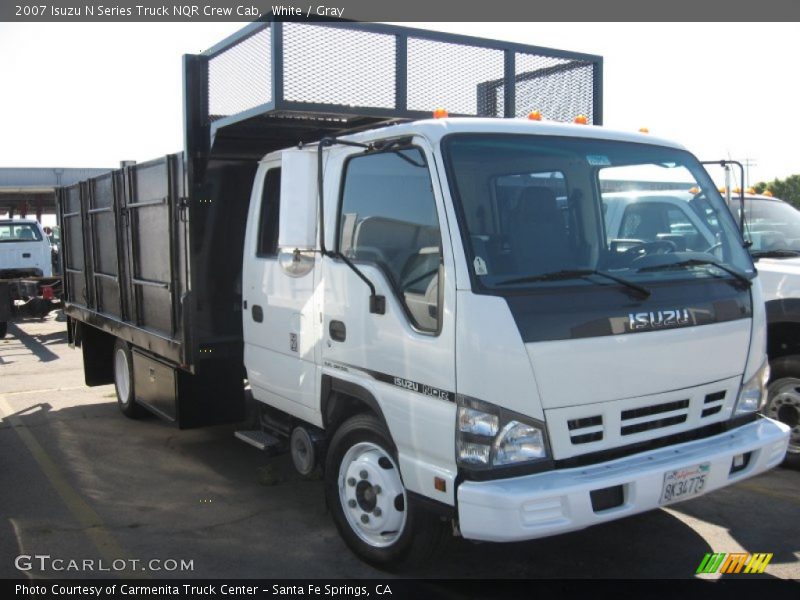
(554, 211)
(771, 225)
(19, 232)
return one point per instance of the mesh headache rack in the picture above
(274, 84)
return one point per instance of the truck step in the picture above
(259, 439)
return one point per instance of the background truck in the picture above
(428, 309)
(27, 268)
(773, 227)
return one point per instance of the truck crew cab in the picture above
(430, 309)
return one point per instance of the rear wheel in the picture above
(123, 380)
(783, 397)
(369, 503)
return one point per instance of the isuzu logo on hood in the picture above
(659, 318)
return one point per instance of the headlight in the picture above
(488, 436)
(753, 394)
(519, 442)
(478, 422)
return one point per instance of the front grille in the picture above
(596, 427)
(656, 424)
(586, 429)
(600, 456)
(713, 404)
(637, 420)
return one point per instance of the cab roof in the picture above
(435, 129)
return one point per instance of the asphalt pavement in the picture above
(108, 496)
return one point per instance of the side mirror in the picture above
(297, 229)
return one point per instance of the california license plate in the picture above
(684, 483)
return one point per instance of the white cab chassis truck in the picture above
(27, 284)
(429, 310)
(772, 226)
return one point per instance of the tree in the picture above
(788, 189)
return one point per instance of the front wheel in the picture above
(369, 503)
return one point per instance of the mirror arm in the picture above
(726, 164)
(377, 304)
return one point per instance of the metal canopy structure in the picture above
(31, 191)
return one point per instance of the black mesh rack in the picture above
(273, 84)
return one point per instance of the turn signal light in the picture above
(581, 120)
(439, 113)
(644, 130)
(535, 115)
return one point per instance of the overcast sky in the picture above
(90, 95)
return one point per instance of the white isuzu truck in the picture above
(431, 310)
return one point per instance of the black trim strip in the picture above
(563, 313)
(401, 382)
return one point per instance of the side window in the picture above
(269, 217)
(388, 217)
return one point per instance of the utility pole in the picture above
(748, 162)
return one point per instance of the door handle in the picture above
(338, 331)
(258, 313)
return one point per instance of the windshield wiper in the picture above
(578, 274)
(700, 262)
(782, 253)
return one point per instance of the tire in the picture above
(365, 493)
(123, 380)
(783, 397)
(3, 329)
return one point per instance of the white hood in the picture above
(780, 277)
(601, 369)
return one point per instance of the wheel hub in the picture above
(784, 406)
(366, 498)
(372, 494)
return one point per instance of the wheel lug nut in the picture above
(364, 474)
(377, 489)
(365, 518)
(351, 503)
(351, 481)
(377, 512)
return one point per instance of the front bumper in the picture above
(534, 506)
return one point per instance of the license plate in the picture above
(684, 483)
